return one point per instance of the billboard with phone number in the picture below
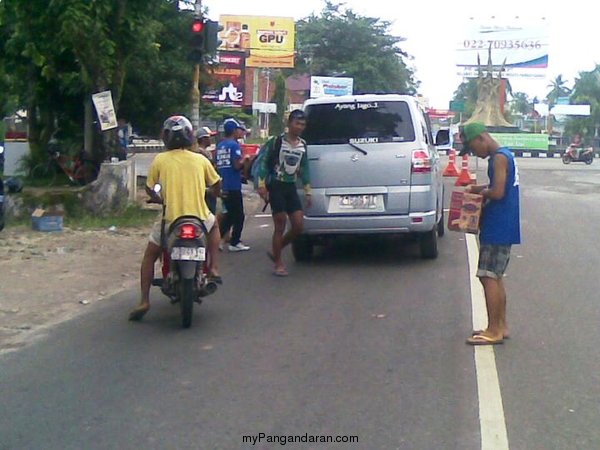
(524, 47)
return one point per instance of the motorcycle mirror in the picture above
(157, 188)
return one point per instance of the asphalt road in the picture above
(366, 341)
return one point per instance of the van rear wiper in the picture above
(357, 148)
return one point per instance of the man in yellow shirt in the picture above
(184, 177)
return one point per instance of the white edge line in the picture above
(262, 216)
(491, 411)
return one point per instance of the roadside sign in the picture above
(457, 106)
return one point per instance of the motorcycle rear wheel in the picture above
(186, 302)
(566, 159)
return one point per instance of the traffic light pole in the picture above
(195, 98)
(195, 92)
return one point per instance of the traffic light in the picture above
(198, 41)
(211, 36)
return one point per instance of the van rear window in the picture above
(360, 122)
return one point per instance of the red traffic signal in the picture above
(197, 26)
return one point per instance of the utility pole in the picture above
(197, 55)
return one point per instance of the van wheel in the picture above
(428, 244)
(302, 248)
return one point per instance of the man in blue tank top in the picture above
(500, 227)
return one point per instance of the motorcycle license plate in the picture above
(188, 254)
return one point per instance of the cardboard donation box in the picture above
(465, 212)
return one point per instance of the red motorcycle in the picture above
(185, 277)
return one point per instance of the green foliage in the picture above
(521, 104)
(220, 113)
(277, 123)
(558, 89)
(466, 92)
(338, 41)
(586, 91)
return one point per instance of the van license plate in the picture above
(188, 254)
(358, 202)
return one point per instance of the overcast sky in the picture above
(433, 29)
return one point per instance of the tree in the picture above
(466, 92)
(55, 55)
(557, 89)
(521, 104)
(276, 125)
(338, 41)
(586, 92)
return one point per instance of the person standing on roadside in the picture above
(284, 162)
(500, 227)
(204, 140)
(230, 164)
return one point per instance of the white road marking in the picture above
(262, 216)
(491, 411)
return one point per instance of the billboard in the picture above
(268, 40)
(330, 86)
(228, 81)
(524, 46)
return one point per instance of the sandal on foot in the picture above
(138, 313)
(476, 332)
(215, 278)
(280, 273)
(482, 339)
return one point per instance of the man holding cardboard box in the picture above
(499, 227)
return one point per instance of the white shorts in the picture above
(154, 237)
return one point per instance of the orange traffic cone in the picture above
(465, 179)
(451, 170)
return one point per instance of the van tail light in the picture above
(421, 161)
(188, 232)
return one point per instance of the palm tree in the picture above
(557, 89)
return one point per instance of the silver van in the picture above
(374, 169)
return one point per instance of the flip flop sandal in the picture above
(281, 273)
(482, 339)
(216, 278)
(137, 314)
(477, 332)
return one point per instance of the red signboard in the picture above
(440, 113)
(227, 84)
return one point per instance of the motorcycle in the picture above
(574, 154)
(185, 277)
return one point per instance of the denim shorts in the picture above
(493, 261)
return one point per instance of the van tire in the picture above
(302, 248)
(428, 244)
(441, 230)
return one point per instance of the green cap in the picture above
(470, 132)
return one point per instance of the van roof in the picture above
(360, 98)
